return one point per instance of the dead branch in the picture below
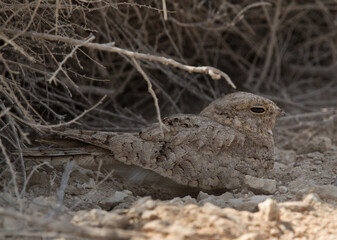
(109, 47)
(153, 94)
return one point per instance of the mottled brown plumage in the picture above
(230, 138)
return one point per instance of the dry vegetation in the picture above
(117, 66)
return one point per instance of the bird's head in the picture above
(244, 112)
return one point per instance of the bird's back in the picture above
(195, 151)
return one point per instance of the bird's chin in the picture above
(270, 132)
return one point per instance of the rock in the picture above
(220, 201)
(334, 182)
(270, 210)
(100, 218)
(317, 144)
(311, 198)
(141, 205)
(285, 156)
(202, 196)
(295, 206)
(44, 204)
(260, 185)
(118, 196)
(325, 192)
(156, 225)
(185, 200)
(300, 183)
(283, 189)
(252, 236)
(248, 204)
(212, 209)
(106, 199)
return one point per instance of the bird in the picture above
(213, 150)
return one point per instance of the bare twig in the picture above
(13, 173)
(63, 186)
(272, 43)
(51, 79)
(153, 94)
(64, 182)
(211, 71)
(11, 41)
(29, 177)
(164, 9)
(16, 47)
(50, 127)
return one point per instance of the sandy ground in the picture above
(297, 201)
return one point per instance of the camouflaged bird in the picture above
(232, 137)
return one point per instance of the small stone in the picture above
(202, 196)
(327, 192)
(189, 200)
(220, 201)
(118, 196)
(156, 226)
(211, 209)
(182, 232)
(283, 189)
(295, 206)
(252, 236)
(317, 144)
(113, 220)
(249, 203)
(285, 156)
(270, 210)
(311, 198)
(89, 184)
(334, 182)
(149, 215)
(141, 205)
(97, 217)
(260, 185)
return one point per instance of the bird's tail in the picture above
(64, 150)
(98, 138)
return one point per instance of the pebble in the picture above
(269, 210)
(285, 156)
(283, 189)
(252, 236)
(317, 144)
(260, 185)
(311, 198)
(325, 192)
(295, 206)
(249, 203)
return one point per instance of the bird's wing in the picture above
(188, 151)
(187, 128)
(193, 151)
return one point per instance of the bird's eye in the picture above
(258, 109)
